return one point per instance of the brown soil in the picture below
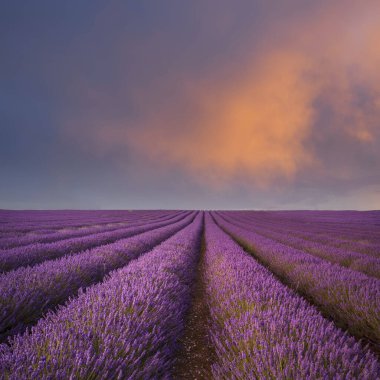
(196, 353)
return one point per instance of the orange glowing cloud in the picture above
(255, 125)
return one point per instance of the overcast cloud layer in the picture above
(201, 104)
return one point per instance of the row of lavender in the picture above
(13, 228)
(38, 252)
(124, 328)
(351, 298)
(362, 241)
(362, 237)
(67, 231)
(31, 224)
(28, 292)
(25, 221)
(357, 222)
(127, 327)
(263, 330)
(351, 259)
(51, 236)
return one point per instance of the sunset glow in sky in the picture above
(199, 104)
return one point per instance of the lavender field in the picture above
(189, 295)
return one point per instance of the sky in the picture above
(203, 104)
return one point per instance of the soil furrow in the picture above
(196, 353)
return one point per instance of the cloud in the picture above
(251, 125)
(274, 115)
(256, 124)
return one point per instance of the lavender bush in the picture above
(344, 257)
(28, 292)
(37, 253)
(123, 328)
(351, 298)
(68, 232)
(263, 330)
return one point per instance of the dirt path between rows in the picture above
(196, 353)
